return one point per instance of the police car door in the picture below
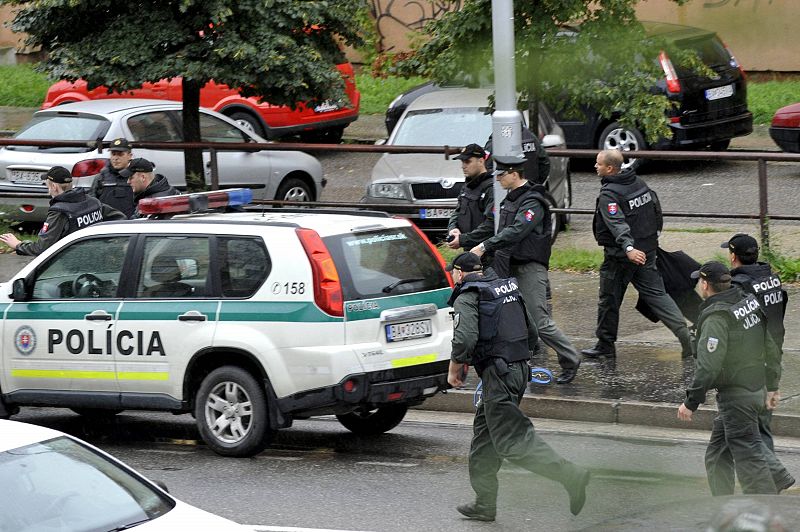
(170, 316)
(62, 339)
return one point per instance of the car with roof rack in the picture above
(248, 320)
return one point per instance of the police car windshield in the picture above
(370, 262)
(438, 127)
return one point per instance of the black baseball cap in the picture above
(508, 163)
(466, 262)
(119, 144)
(742, 244)
(713, 272)
(58, 174)
(137, 165)
(469, 151)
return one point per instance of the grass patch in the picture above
(787, 268)
(576, 260)
(765, 97)
(378, 93)
(22, 86)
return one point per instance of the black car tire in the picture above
(617, 136)
(248, 122)
(294, 189)
(720, 145)
(373, 422)
(222, 394)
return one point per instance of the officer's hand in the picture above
(455, 231)
(455, 243)
(684, 413)
(637, 256)
(10, 240)
(456, 373)
(773, 398)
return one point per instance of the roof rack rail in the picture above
(345, 210)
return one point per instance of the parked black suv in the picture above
(710, 111)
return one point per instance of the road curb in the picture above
(605, 411)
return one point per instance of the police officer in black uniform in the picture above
(475, 200)
(146, 183)
(537, 162)
(736, 356)
(70, 209)
(523, 241)
(492, 332)
(109, 186)
(627, 221)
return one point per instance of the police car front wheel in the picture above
(375, 421)
(231, 412)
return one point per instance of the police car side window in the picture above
(244, 265)
(88, 268)
(174, 267)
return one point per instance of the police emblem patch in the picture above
(529, 214)
(44, 229)
(456, 319)
(612, 208)
(25, 340)
(712, 344)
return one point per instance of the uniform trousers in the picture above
(502, 431)
(737, 447)
(533, 284)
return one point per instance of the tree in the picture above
(280, 50)
(569, 53)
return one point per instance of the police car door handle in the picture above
(192, 315)
(98, 315)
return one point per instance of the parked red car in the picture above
(785, 129)
(322, 123)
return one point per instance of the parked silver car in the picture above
(450, 117)
(286, 175)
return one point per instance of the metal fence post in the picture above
(763, 209)
(214, 169)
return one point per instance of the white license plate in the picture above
(406, 331)
(326, 107)
(719, 92)
(435, 213)
(26, 176)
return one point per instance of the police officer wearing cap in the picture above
(109, 186)
(146, 183)
(475, 200)
(736, 356)
(492, 332)
(627, 221)
(523, 241)
(70, 209)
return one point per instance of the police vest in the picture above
(502, 321)
(744, 361)
(536, 246)
(470, 214)
(771, 296)
(638, 204)
(116, 192)
(80, 214)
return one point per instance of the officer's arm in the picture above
(55, 223)
(659, 214)
(772, 356)
(486, 228)
(529, 216)
(94, 190)
(711, 349)
(615, 222)
(465, 327)
(544, 162)
(110, 213)
(452, 223)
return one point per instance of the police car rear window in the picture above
(385, 263)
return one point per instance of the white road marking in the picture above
(388, 464)
(262, 528)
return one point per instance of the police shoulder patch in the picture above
(712, 344)
(613, 208)
(529, 214)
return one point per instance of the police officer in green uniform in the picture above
(474, 201)
(626, 223)
(70, 209)
(737, 357)
(523, 240)
(492, 332)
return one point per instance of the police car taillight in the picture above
(673, 82)
(327, 287)
(433, 249)
(197, 202)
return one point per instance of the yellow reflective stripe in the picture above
(96, 375)
(413, 361)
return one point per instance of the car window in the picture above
(154, 127)
(244, 265)
(62, 127)
(439, 127)
(711, 51)
(212, 129)
(374, 264)
(174, 267)
(88, 268)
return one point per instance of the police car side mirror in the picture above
(19, 290)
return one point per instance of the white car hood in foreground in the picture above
(187, 517)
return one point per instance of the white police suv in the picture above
(247, 320)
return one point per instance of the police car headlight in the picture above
(388, 190)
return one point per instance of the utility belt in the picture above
(501, 366)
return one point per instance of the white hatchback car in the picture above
(248, 320)
(51, 481)
(280, 175)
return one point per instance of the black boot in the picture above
(476, 511)
(600, 350)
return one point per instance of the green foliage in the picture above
(764, 98)
(22, 86)
(378, 93)
(576, 260)
(787, 268)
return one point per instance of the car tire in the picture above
(231, 413)
(96, 413)
(248, 122)
(331, 135)
(375, 421)
(720, 145)
(619, 137)
(294, 189)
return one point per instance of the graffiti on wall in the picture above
(395, 19)
(735, 3)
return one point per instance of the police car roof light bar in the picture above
(197, 202)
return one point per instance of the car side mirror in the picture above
(552, 141)
(380, 142)
(19, 290)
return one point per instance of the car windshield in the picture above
(384, 263)
(439, 127)
(80, 128)
(711, 51)
(60, 484)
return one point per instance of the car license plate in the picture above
(398, 332)
(719, 92)
(326, 107)
(435, 213)
(26, 176)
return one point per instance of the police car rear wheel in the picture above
(231, 412)
(372, 422)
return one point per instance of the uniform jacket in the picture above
(759, 280)
(113, 190)
(474, 202)
(537, 162)
(159, 188)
